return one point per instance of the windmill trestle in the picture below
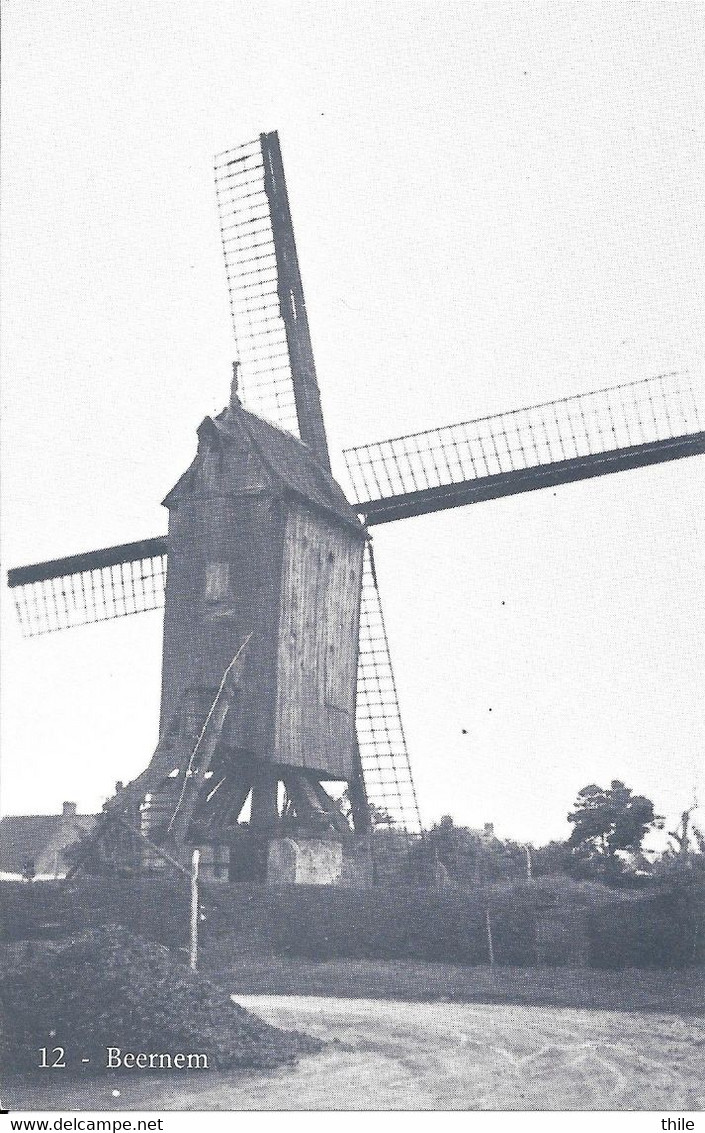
(193, 794)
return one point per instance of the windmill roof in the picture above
(287, 462)
(25, 837)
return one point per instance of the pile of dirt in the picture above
(109, 988)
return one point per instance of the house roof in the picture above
(25, 837)
(252, 450)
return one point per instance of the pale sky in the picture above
(494, 204)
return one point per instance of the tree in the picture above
(471, 857)
(551, 860)
(117, 852)
(607, 822)
(684, 858)
(687, 838)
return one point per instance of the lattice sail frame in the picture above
(266, 381)
(116, 581)
(95, 587)
(380, 734)
(620, 418)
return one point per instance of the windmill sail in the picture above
(277, 370)
(380, 734)
(95, 586)
(577, 438)
(627, 426)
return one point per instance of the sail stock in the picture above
(626, 426)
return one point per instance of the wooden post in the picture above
(193, 951)
(488, 925)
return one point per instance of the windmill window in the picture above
(217, 581)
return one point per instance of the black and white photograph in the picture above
(353, 560)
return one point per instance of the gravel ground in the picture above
(390, 1055)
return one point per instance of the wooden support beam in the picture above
(225, 808)
(265, 809)
(330, 808)
(312, 803)
(358, 796)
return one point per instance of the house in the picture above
(34, 844)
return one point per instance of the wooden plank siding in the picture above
(317, 651)
(262, 542)
(239, 541)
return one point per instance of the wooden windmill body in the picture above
(264, 547)
(276, 673)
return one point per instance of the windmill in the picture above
(271, 580)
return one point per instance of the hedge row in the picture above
(666, 929)
(318, 922)
(445, 925)
(156, 909)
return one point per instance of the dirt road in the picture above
(390, 1055)
(481, 1056)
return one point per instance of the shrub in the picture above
(153, 907)
(107, 988)
(666, 930)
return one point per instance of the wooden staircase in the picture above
(147, 821)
